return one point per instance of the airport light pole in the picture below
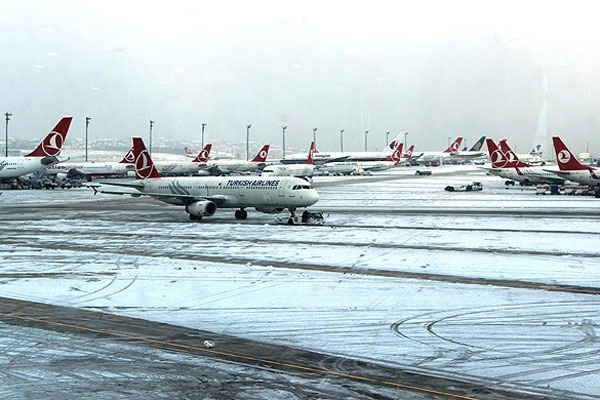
(7, 118)
(366, 135)
(151, 125)
(449, 137)
(387, 138)
(342, 139)
(283, 128)
(248, 141)
(405, 136)
(315, 136)
(87, 123)
(202, 139)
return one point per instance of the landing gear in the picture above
(241, 214)
(292, 216)
(195, 218)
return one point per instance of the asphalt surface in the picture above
(359, 379)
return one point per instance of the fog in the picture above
(435, 70)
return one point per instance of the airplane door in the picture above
(281, 190)
(19, 164)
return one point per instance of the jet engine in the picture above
(269, 210)
(201, 208)
(61, 176)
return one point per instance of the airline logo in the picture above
(563, 156)
(204, 154)
(129, 157)
(455, 146)
(3, 164)
(143, 167)
(263, 154)
(499, 159)
(52, 143)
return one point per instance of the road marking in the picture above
(238, 356)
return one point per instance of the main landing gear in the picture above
(241, 214)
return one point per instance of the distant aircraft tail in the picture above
(564, 158)
(497, 157)
(310, 159)
(536, 150)
(129, 158)
(513, 160)
(202, 157)
(478, 145)
(144, 167)
(454, 146)
(261, 156)
(409, 152)
(188, 152)
(397, 154)
(52, 143)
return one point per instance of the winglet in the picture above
(52, 143)
(261, 156)
(202, 157)
(144, 167)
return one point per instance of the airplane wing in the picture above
(218, 199)
(331, 160)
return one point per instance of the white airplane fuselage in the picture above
(91, 168)
(236, 192)
(228, 166)
(289, 170)
(583, 177)
(13, 167)
(528, 175)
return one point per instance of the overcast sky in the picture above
(434, 69)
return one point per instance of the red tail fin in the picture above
(202, 157)
(261, 156)
(454, 146)
(513, 160)
(129, 158)
(496, 156)
(564, 158)
(144, 167)
(397, 154)
(52, 143)
(310, 159)
(409, 152)
(187, 151)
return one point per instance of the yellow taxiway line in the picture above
(239, 356)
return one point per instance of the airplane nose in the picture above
(314, 196)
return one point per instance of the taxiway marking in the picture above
(238, 356)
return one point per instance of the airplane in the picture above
(506, 164)
(198, 166)
(320, 158)
(202, 196)
(430, 156)
(223, 167)
(358, 167)
(570, 168)
(298, 170)
(474, 152)
(44, 155)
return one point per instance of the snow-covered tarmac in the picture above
(272, 283)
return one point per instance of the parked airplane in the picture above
(298, 170)
(431, 156)
(474, 152)
(506, 164)
(223, 167)
(201, 196)
(359, 167)
(570, 168)
(198, 166)
(43, 156)
(320, 158)
(89, 170)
